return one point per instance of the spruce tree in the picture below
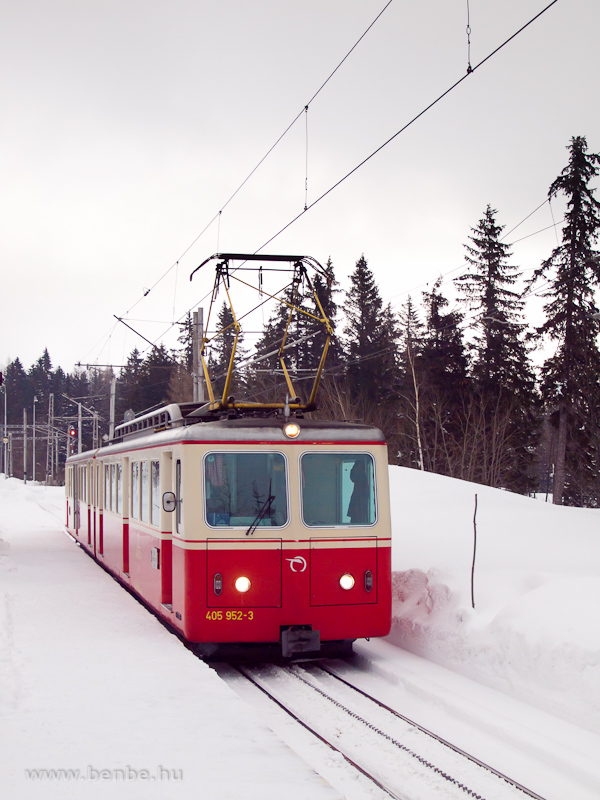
(156, 375)
(186, 339)
(130, 379)
(443, 367)
(326, 290)
(500, 354)
(502, 373)
(219, 355)
(303, 339)
(570, 376)
(371, 338)
(265, 375)
(443, 356)
(40, 375)
(409, 387)
(19, 390)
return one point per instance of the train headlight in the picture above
(346, 581)
(242, 584)
(292, 430)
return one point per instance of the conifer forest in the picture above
(466, 388)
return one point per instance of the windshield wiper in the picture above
(264, 510)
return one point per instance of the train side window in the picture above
(145, 490)
(107, 486)
(119, 492)
(135, 490)
(178, 495)
(155, 493)
(113, 487)
(244, 489)
(338, 489)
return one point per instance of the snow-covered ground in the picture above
(534, 631)
(90, 681)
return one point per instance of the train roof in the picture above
(172, 425)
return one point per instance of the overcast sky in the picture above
(126, 125)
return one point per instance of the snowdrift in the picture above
(533, 632)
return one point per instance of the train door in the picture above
(178, 527)
(76, 498)
(88, 499)
(98, 481)
(94, 491)
(124, 494)
(165, 484)
(84, 509)
(99, 531)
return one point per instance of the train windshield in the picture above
(338, 489)
(245, 489)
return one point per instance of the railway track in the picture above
(397, 755)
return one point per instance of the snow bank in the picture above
(533, 632)
(97, 699)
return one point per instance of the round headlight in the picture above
(346, 581)
(292, 430)
(242, 584)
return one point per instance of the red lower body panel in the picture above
(287, 588)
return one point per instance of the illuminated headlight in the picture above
(346, 581)
(242, 584)
(292, 430)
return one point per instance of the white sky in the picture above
(126, 126)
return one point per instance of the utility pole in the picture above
(113, 398)
(79, 448)
(50, 440)
(24, 445)
(197, 338)
(33, 430)
(5, 437)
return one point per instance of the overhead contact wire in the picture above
(263, 159)
(304, 110)
(408, 124)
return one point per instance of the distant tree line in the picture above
(454, 390)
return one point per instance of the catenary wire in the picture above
(365, 160)
(264, 158)
(407, 125)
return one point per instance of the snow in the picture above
(533, 632)
(90, 681)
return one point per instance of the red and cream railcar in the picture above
(239, 532)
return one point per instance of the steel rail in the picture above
(312, 731)
(433, 735)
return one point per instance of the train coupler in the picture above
(299, 639)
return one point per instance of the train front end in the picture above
(281, 537)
